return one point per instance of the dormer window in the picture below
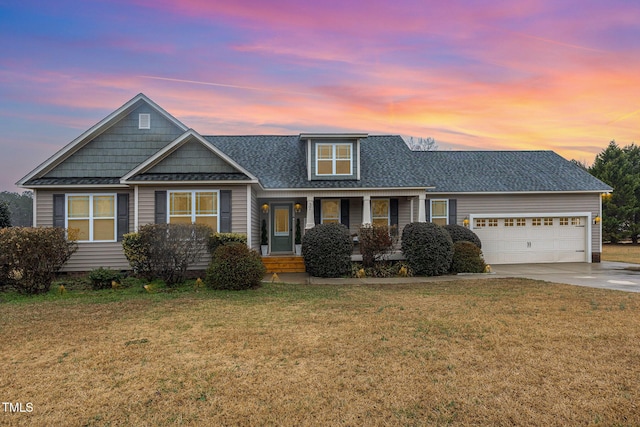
(334, 159)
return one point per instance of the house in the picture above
(141, 165)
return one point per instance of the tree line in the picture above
(619, 167)
(16, 209)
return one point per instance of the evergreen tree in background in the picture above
(5, 216)
(620, 168)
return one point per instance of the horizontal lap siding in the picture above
(534, 203)
(89, 255)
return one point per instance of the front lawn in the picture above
(621, 253)
(485, 352)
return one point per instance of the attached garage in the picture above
(533, 238)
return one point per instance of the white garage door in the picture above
(516, 240)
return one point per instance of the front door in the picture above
(281, 240)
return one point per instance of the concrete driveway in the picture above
(606, 275)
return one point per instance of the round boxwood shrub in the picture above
(235, 267)
(327, 250)
(459, 233)
(428, 248)
(467, 258)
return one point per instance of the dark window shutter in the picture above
(225, 211)
(58, 210)
(344, 212)
(393, 212)
(453, 211)
(427, 204)
(316, 211)
(161, 207)
(123, 215)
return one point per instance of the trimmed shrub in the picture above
(31, 257)
(217, 239)
(165, 251)
(467, 258)
(376, 241)
(428, 248)
(327, 250)
(235, 267)
(459, 233)
(101, 278)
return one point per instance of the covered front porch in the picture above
(284, 219)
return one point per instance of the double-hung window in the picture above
(380, 211)
(330, 211)
(194, 207)
(440, 212)
(91, 217)
(334, 159)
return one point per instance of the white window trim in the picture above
(322, 218)
(333, 146)
(446, 215)
(91, 218)
(388, 211)
(144, 121)
(193, 205)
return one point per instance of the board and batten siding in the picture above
(528, 204)
(90, 255)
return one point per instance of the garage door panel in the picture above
(543, 240)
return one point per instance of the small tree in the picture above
(376, 241)
(5, 215)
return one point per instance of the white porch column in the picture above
(422, 212)
(366, 209)
(311, 222)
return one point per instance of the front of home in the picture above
(140, 165)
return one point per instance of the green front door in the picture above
(281, 240)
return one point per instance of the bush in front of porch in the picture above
(326, 249)
(428, 248)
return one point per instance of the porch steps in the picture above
(284, 264)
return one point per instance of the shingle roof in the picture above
(190, 177)
(73, 181)
(386, 161)
(503, 171)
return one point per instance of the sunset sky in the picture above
(535, 74)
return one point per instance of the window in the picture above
(576, 221)
(440, 212)
(194, 207)
(548, 222)
(493, 222)
(380, 211)
(536, 222)
(92, 217)
(481, 223)
(508, 222)
(330, 211)
(521, 222)
(564, 221)
(144, 121)
(334, 159)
